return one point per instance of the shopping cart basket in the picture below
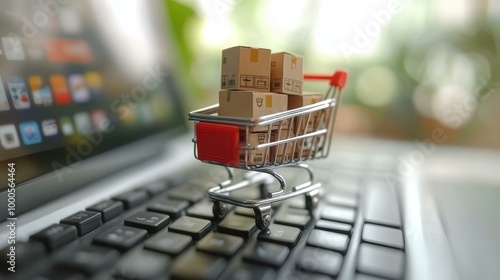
(289, 138)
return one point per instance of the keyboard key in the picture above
(381, 235)
(197, 265)
(243, 211)
(132, 199)
(173, 208)
(342, 199)
(90, 259)
(320, 261)
(339, 214)
(26, 254)
(293, 217)
(108, 209)
(168, 242)
(187, 192)
(84, 221)
(381, 205)
(142, 265)
(247, 271)
(329, 240)
(285, 235)
(194, 227)
(220, 244)
(150, 221)
(334, 226)
(365, 277)
(56, 236)
(202, 210)
(266, 253)
(238, 225)
(122, 238)
(155, 188)
(57, 273)
(380, 261)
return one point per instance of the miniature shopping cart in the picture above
(288, 139)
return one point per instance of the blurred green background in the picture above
(415, 66)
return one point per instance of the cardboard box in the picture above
(255, 156)
(297, 101)
(286, 73)
(245, 68)
(252, 104)
(281, 150)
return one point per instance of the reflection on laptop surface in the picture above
(99, 179)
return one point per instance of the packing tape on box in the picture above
(254, 55)
(269, 101)
(294, 61)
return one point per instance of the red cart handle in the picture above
(338, 79)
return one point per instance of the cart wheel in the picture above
(312, 200)
(219, 210)
(262, 216)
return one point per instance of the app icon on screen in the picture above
(94, 83)
(60, 89)
(13, 48)
(79, 90)
(49, 128)
(4, 103)
(42, 95)
(100, 120)
(83, 123)
(19, 93)
(8, 137)
(30, 133)
(66, 126)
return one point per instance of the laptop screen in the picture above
(79, 78)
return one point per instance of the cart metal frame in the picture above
(306, 144)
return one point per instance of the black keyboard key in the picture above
(194, 227)
(108, 209)
(202, 210)
(293, 217)
(155, 188)
(279, 234)
(334, 226)
(329, 240)
(84, 221)
(150, 221)
(381, 235)
(342, 199)
(243, 211)
(197, 265)
(122, 238)
(187, 192)
(380, 261)
(238, 225)
(266, 253)
(247, 271)
(142, 265)
(90, 259)
(339, 214)
(320, 261)
(23, 257)
(132, 199)
(56, 236)
(220, 244)
(58, 273)
(173, 208)
(168, 242)
(381, 205)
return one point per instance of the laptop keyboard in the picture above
(166, 230)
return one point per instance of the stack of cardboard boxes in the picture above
(255, 83)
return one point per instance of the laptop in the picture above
(99, 179)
